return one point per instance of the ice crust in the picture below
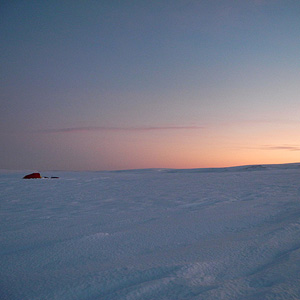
(230, 233)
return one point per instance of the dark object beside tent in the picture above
(32, 176)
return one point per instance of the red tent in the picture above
(32, 176)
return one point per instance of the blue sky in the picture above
(132, 84)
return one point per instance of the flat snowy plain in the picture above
(229, 233)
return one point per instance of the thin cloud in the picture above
(281, 147)
(100, 128)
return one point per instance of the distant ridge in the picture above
(244, 168)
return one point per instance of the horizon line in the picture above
(154, 168)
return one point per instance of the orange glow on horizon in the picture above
(185, 149)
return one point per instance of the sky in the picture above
(108, 85)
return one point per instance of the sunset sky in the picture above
(106, 85)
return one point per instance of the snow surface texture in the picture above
(231, 233)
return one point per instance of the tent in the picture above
(32, 176)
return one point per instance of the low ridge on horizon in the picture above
(242, 167)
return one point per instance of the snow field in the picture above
(152, 234)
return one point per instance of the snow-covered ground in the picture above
(231, 233)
